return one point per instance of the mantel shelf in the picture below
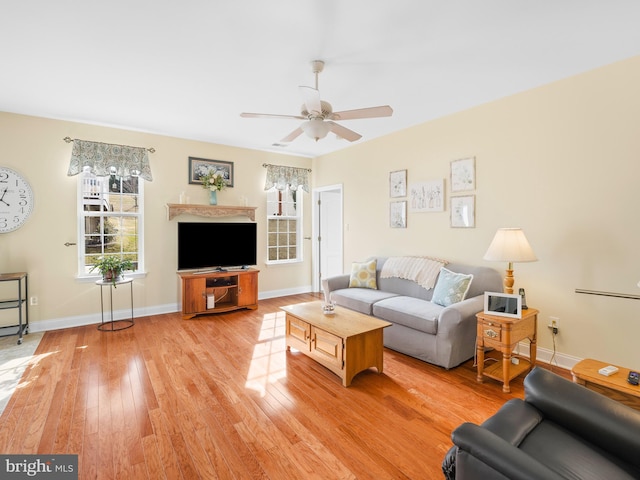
(175, 209)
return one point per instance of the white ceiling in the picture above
(188, 68)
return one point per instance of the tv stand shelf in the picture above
(175, 209)
(217, 292)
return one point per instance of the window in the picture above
(284, 226)
(110, 219)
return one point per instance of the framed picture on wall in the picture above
(427, 196)
(199, 167)
(398, 184)
(398, 214)
(463, 211)
(463, 174)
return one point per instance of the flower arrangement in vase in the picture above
(214, 182)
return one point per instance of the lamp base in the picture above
(509, 281)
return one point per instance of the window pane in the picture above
(110, 218)
(283, 217)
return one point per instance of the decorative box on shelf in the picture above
(175, 209)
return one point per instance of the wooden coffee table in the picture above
(614, 386)
(346, 342)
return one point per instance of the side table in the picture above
(615, 386)
(503, 334)
(114, 325)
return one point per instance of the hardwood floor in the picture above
(219, 397)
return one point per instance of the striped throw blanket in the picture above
(422, 270)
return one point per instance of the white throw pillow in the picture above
(451, 287)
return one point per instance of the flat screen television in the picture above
(216, 245)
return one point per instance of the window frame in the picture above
(299, 209)
(82, 270)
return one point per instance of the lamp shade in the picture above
(316, 128)
(510, 245)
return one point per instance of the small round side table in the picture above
(114, 325)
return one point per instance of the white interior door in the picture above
(328, 258)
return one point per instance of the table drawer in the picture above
(298, 333)
(490, 331)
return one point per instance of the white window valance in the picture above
(281, 177)
(109, 159)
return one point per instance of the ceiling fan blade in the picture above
(343, 132)
(371, 112)
(292, 136)
(270, 115)
(311, 98)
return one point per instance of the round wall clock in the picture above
(16, 200)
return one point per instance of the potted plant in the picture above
(111, 267)
(214, 182)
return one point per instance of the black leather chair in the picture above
(561, 430)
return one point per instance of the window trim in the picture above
(81, 274)
(299, 222)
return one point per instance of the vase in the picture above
(213, 197)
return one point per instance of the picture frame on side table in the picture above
(398, 214)
(503, 304)
(398, 184)
(463, 211)
(427, 196)
(199, 167)
(463, 174)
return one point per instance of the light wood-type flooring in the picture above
(220, 397)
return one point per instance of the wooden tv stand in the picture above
(231, 290)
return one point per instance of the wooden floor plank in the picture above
(220, 397)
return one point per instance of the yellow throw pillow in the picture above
(363, 275)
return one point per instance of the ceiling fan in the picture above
(319, 115)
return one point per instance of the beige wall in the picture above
(562, 162)
(34, 147)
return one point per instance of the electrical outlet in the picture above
(33, 301)
(553, 325)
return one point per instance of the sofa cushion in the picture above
(411, 312)
(359, 299)
(363, 274)
(451, 287)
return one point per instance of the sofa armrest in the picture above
(334, 283)
(611, 425)
(460, 315)
(479, 448)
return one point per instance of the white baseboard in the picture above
(95, 318)
(285, 292)
(545, 355)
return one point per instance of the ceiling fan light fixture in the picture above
(316, 128)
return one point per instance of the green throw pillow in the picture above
(451, 287)
(363, 275)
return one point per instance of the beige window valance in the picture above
(109, 159)
(280, 177)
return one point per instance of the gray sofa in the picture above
(440, 335)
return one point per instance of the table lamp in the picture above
(510, 245)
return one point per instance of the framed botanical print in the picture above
(427, 196)
(398, 214)
(398, 184)
(463, 211)
(463, 174)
